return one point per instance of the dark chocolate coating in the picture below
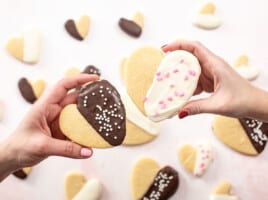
(26, 90)
(164, 186)
(20, 174)
(130, 27)
(256, 131)
(91, 69)
(72, 30)
(100, 104)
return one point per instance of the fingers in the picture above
(67, 149)
(69, 99)
(62, 87)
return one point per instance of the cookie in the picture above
(137, 87)
(31, 91)
(206, 17)
(78, 29)
(247, 71)
(78, 188)
(223, 192)
(2, 110)
(98, 119)
(176, 78)
(196, 159)
(133, 27)
(72, 72)
(26, 48)
(150, 181)
(247, 136)
(22, 173)
(90, 69)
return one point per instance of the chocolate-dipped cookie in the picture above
(98, 119)
(150, 181)
(247, 136)
(31, 91)
(22, 173)
(78, 29)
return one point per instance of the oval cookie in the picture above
(176, 78)
(150, 181)
(247, 136)
(98, 119)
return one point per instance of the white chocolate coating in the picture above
(248, 72)
(222, 197)
(135, 115)
(91, 191)
(32, 45)
(207, 21)
(173, 85)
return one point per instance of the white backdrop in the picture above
(244, 30)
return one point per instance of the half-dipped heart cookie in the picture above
(223, 192)
(150, 181)
(133, 27)
(247, 71)
(23, 173)
(196, 159)
(90, 69)
(78, 188)
(27, 47)
(98, 119)
(206, 17)
(174, 84)
(247, 136)
(78, 29)
(31, 91)
(138, 72)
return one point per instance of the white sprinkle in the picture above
(100, 91)
(115, 137)
(118, 127)
(104, 103)
(101, 86)
(107, 134)
(93, 93)
(121, 117)
(102, 95)
(100, 122)
(107, 88)
(110, 92)
(86, 97)
(115, 123)
(105, 99)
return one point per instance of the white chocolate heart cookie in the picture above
(27, 47)
(206, 17)
(143, 62)
(150, 181)
(174, 84)
(78, 188)
(196, 160)
(223, 192)
(247, 71)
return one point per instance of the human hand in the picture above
(38, 135)
(231, 95)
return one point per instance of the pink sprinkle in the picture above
(207, 157)
(156, 114)
(164, 106)
(172, 86)
(203, 158)
(186, 78)
(158, 73)
(196, 174)
(170, 99)
(182, 94)
(181, 61)
(175, 71)
(202, 151)
(145, 99)
(159, 78)
(167, 75)
(192, 72)
(202, 165)
(161, 102)
(176, 93)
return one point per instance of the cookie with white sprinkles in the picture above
(98, 119)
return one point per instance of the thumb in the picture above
(67, 148)
(197, 107)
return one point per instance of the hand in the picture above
(232, 95)
(38, 135)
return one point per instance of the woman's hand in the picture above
(231, 95)
(38, 135)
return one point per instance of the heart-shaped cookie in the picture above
(133, 27)
(78, 188)
(247, 136)
(150, 181)
(176, 78)
(242, 66)
(27, 47)
(31, 91)
(98, 119)
(143, 62)
(23, 173)
(196, 159)
(206, 18)
(78, 29)
(223, 192)
(90, 69)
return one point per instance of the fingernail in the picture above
(85, 152)
(164, 46)
(183, 114)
